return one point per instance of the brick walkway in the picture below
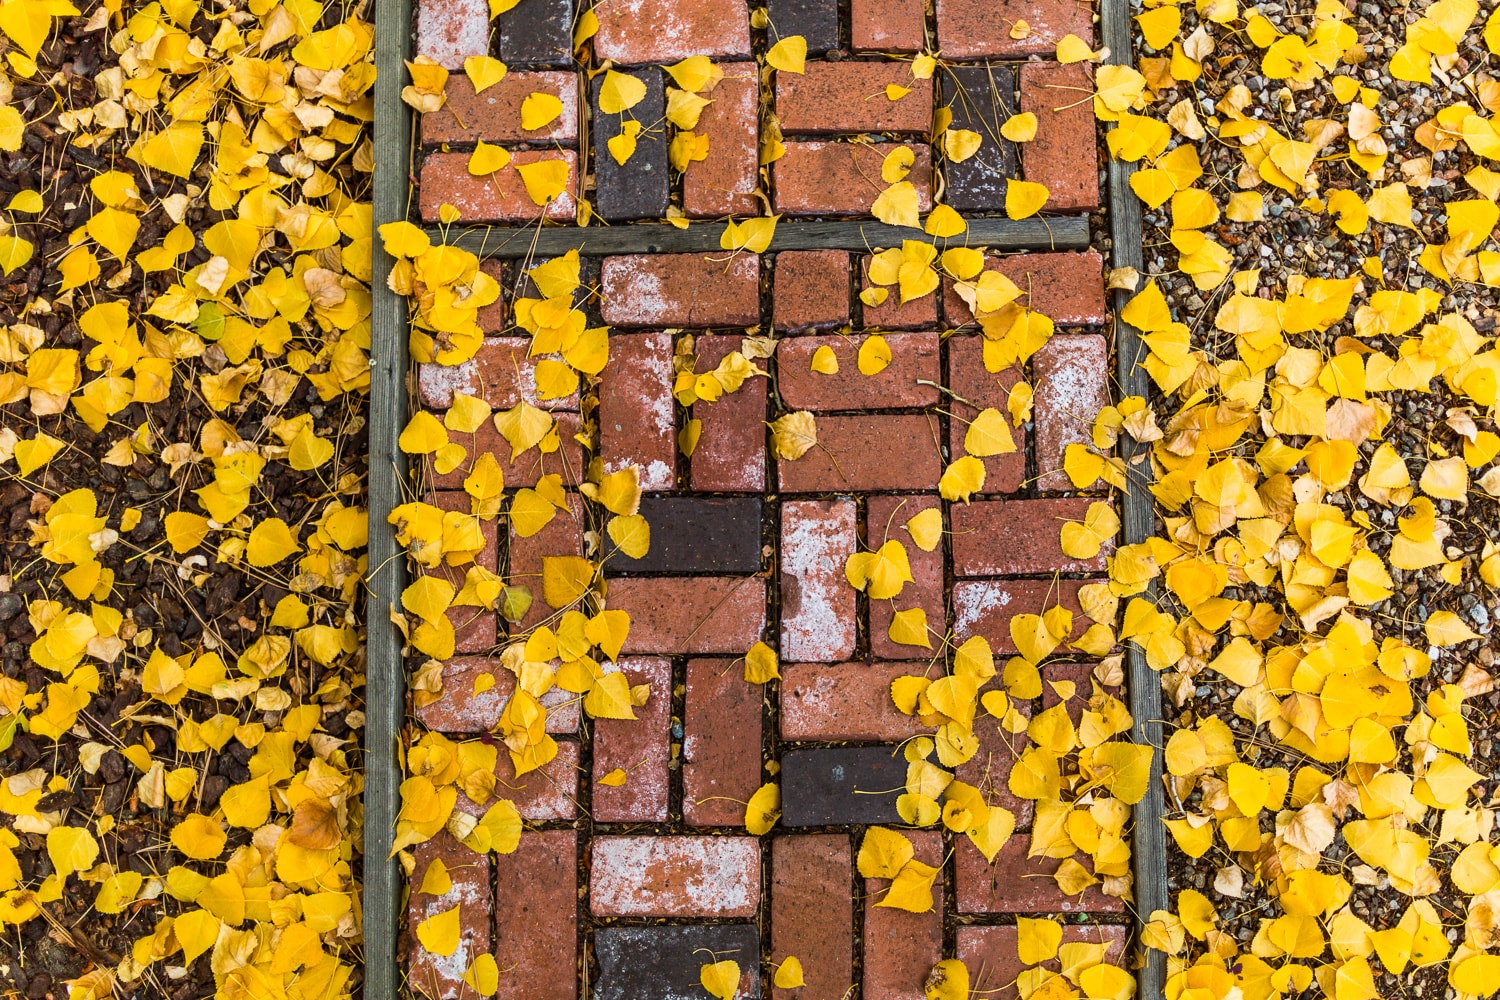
(617, 890)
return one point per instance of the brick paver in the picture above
(635, 866)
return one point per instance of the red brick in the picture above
(637, 414)
(1018, 537)
(888, 25)
(721, 743)
(528, 467)
(991, 955)
(563, 536)
(811, 289)
(500, 197)
(989, 769)
(681, 289)
(440, 977)
(868, 452)
(536, 941)
(973, 384)
(885, 519)
(914, 359)
(448, 31)
(1067, 288)
(970, 28)
(985, 607)
(548, 793)
(501, 373)
(841, 178)
(675, 876)
(495, 114)
(834, 97)
(460, 710)
(893, 314)
(900, 948)
(1018, 884)
(476, 630)
(724, 183)
(812, 912)
(731, 452)
(491, 318)
(639, 747)
(701, 614)
(1064, 155)
(844, 701)
(662, 31)
(818, 617)
(1071, 376)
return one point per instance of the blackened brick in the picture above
(665, 963)
(538, 32)
(698, 535)
(641, 187)
(815, 20)
(981, 99)
(841, 785)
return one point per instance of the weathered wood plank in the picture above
(1069, 232)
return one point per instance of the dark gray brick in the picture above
(664, 963)
(815, 20)
(642, 187)
(697, 535)
(537, 32)
(981, 98)
(841, 785)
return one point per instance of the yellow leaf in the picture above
(789, 974)
(948, 980)
(874, 355)
(721, 979)
(1072, 49)
(1444, 628)
(631, 533)
(960, 143)
(622, 146)
(764, 809)
(439, 933)
(944, 223)
(174, 149)
(540, 109)
(270, 542)
(486, 159)
(423, 434)
(199, 837)
(544, 179)
(761, 665)
(1021, 127)
(911, 890)
(825, 361)
(12, 129)
(926, 529)
(962, 479)
(484, 72)
(883, 852)
(897, 164)
(988, 435)
(185, 531)
(792, 434)
(609, 698)
(695, 73)
(71, 849)
(909, 628)
(788, 55)
(614, 779)
(1037, 940)
(619, 93)
(897, 205)
(483, 975)
(565, 579)
(753, 235)
(1024, 199)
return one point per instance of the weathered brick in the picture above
(491, 318)
(818, 619)
(675, 876)
(973, 384)
(840, 97)
(536, 944)
(666, 963)
(460, 710)
(538, 32)
(893, 314)
(495, 114)
(476, 630)
(971, 28)
(1018, 884)
(639, 188)
(562, 536)
(981, 99)
(1071, 376)
(548, 793)
(841, 785)
(841, 178)
(501, 373)
(440, 977)
(696, 534)
(811, 290)
(527, 468)
(637, 414)
(887, 25)
(693, 614)
(721, 743)
(500, 197)
(886, 518)
(812, 912)
(844, 701)
(1064, 155)
(868, 452)
(663, 31)
(640, 747)
(681, 289)
(1018, 537)
(448, 31)
(817, 21)
(724, 183)
(994, 962)
(900, 947)
(989, 769)
(985, 607)
(731, 452)
(1067, 288)
(914, 360)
